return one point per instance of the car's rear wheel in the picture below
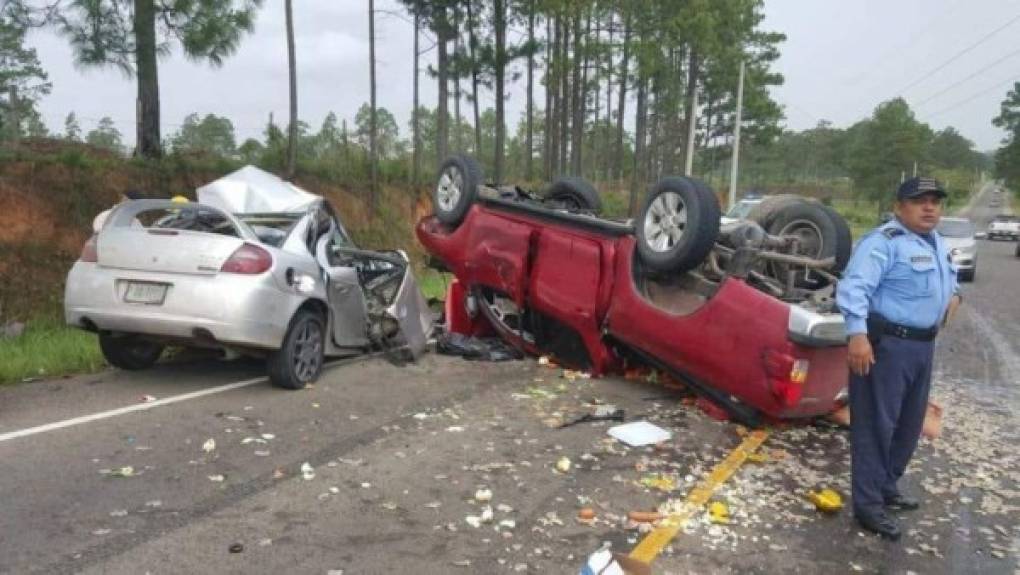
(678, 225)
(456, 188)
(299, 360)
(574, 195)
(128, 351)
(765, 212)
(821, 234)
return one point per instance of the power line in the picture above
(979, 72)
(971, 98)
(959, 54)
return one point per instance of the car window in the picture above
(956, 228)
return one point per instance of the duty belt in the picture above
(879, 325)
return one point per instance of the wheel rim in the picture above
(809, 244)
(665, 222)
(507, 313)
(307, 351)
(449, 188)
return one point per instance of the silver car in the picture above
(288, 286)
(959, 237)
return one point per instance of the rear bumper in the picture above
(247, 311)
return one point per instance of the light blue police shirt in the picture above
(896, 273)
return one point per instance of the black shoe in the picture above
(880, 523)
(902, 503)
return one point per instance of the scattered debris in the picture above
(483, 495)
(718, 513)
(563, 464)
(147, 398)
(639, 433)
(236, 547)
(826, 500)
(126, 471)
(658, 481)
(209, 445)
(645, 516)
(476, 349)
(602, 413)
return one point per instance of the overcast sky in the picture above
(841, 58)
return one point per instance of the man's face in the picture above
(921, 214)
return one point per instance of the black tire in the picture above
(844, 238)
(822, 238)
(765, 213)
(299, 360)
(683, 243)
(456, 188)
(129, 352)
(574, 195)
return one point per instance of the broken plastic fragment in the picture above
(126, 471)
(826, 500)
(307, 471)
(216, 478)
(483, 495)
(563, 465)
(718, 512)
(209, 445)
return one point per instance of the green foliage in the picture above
(22, 83)
(48, 348)
(388, 142)
(72, 129)
(106, 135)
(1007, 158)
(210, 135)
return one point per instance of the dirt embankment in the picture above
(50, 192)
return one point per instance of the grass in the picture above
(48, 349)
(433, 283)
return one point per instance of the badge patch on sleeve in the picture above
(920, 259)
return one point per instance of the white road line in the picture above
(153, 404)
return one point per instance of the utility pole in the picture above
(734, 165)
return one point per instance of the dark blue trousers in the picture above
(887, 409)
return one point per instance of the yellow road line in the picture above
(652, 545)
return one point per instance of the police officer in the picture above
(898, 288)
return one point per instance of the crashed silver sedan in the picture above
(287, 285)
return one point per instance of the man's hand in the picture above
(954, 305)
(860, 356)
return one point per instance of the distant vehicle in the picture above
(1004, 226)
(742, 209)
(258, 267)
(959, 236)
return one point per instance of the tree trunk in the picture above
(373, 127)
(640, 121)
(499, 8)
(458, 139)
(607, 136)
(149, 144)
(443, 111)
(529, 148)
(564, 114)
(551, 141)
(292, 68)
(15, 120)
(621, 102)
(577, 107)
(472, 45)
(415, 128)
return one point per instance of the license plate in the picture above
(148, 293)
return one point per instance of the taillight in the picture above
(248, 259)
(786, 376)
(89, 252)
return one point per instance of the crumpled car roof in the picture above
(251, 190)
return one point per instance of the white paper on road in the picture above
(638, 433)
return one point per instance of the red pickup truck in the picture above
(673, 292)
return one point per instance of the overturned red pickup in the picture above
(742, 314)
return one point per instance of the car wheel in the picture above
(129, 352)
(574, 195)
(678, 225)
(819, 237)
(299, 360)
(456, 188)
(764, 213)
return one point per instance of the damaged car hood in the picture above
(251, 190)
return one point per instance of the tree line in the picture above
(617, 91)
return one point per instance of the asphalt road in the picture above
(397, 455)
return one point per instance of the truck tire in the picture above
(129, 352)
(299, 360)
(574, 195)
(823, 235)
(678, 225)
(765, 213)
(456, 188)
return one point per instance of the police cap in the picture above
(915, 187)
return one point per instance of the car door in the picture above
(343, 290)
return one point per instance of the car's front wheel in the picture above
(129, 352)
(574, 195)
(678, 225)
(299, 360)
